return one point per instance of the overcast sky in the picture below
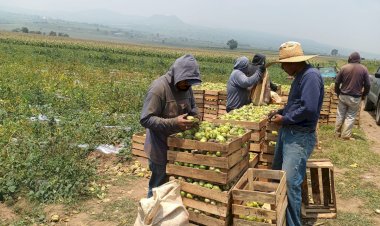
(345, 23)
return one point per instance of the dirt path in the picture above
(371, 130)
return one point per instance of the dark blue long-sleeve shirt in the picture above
(305, 99)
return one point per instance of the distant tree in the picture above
(334, 52)
(53, 33)
(233, 44)
(24, 30)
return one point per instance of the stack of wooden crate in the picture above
(207, 192)
(138, 140)
(259, 198)
(269, 145)
(199, 101)
(222, 102)
(325, 110)
(210, 105)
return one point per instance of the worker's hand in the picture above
(272, 114)
(277, 119)
(183, 123)
(262, 69)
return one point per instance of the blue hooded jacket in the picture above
(238, 85)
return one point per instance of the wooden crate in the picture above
(256, 146)
(138, 141)
(250, 188)
(246, 124)
(217, 214)
(270, 136)
(254, 160)
(234, 159)
(258, 135)
(318, 190)
(211, 97)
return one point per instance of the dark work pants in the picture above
(158, 176)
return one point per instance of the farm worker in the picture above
(296, 138)
(259, 59)
(239, 84)
(349, 83)
(168, 101)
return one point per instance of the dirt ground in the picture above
(126, 190)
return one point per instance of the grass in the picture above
(344, 155)
(123, 211)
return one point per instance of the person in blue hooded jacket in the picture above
(168, 101)
(239, 84)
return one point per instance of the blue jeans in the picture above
(293, 148)
(158, 176)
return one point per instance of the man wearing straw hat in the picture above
(296, 138)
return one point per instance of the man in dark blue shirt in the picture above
(299, 118)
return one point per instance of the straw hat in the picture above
(291, 52)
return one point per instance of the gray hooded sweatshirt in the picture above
(238, 92)
(164, 102)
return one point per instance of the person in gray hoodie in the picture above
(238, 85)
(168, 101)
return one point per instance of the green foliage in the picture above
(232, 43)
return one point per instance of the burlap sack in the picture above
(164, 208)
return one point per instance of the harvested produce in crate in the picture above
(211, 86)
(250, 113)
(208, 132)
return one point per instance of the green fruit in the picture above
(203, 139)
(202, 167)
(189, 117)
(183, 194)
(189, 196)
(207, 200)
(217, 170)
(208, 185)
(189, 180)
(201, 183)
(216, 187)
(179, 135)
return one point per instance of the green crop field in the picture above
(58, 98)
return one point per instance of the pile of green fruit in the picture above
(209, 185)
(208, 132)
(250, 112)
(254, 218)
(195, 166)
(211, 86)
